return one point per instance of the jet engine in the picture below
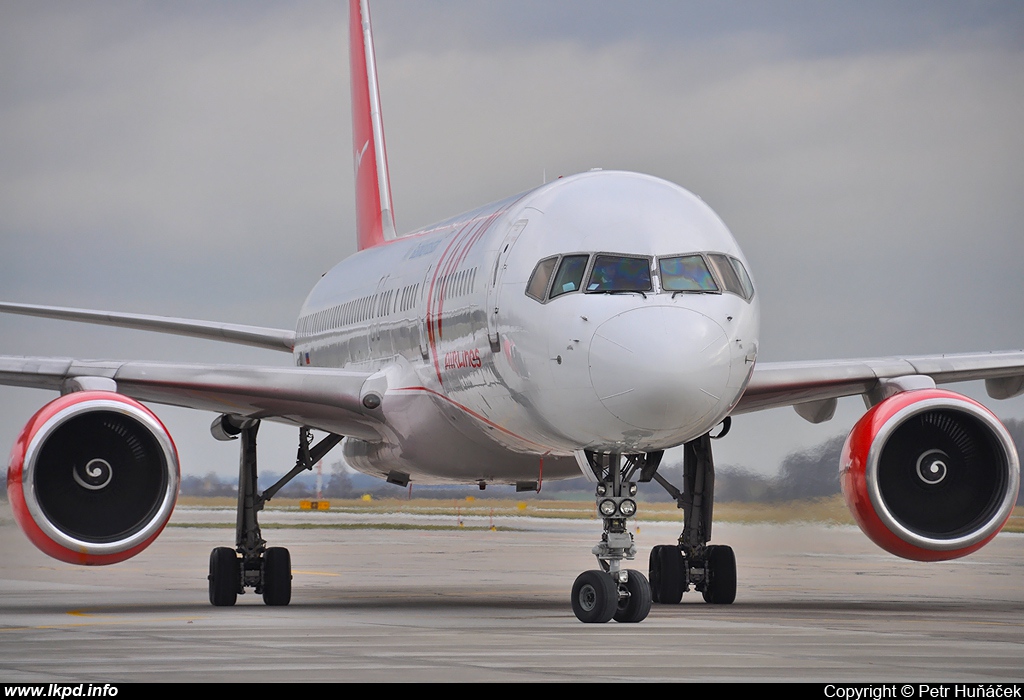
(930, 475)
(93, 478)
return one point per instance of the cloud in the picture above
(194, 159)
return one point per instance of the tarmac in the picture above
(815, 603)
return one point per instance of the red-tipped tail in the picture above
(375, 222)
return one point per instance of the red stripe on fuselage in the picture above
(431, 339)
(453, 256)
(472, 413)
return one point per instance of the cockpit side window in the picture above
(686, 273)
(538, 283)
(570, 275)
(732, 275)
(741, 272)
(619, 273)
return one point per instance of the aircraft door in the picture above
(376, 312)
(424, 305)
(494, 282)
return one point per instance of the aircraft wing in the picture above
(775, 384)
(326, 399)
(267, 338)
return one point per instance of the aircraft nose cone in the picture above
(660, 368)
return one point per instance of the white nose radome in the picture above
(660, 367)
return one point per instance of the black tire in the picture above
(595, 597)
(225, 576)
(668, 574)
(720, 588)
(277, 576)
(637, 605)
(654, 573)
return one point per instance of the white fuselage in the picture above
(484, 382)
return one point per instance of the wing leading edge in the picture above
(330, 399)
(257, 336)
(326, 399)
(802, 384)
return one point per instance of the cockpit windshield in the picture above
(605, 273)
(570, 274)
(686, 273)
(619, 273)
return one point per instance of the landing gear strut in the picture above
(710, 569)
(612, 592)
(252, 564)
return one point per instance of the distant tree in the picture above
(738, 484)
(339, 485)
(811, 473)
(732, 483)
(209, 485)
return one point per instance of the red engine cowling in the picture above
(93, 478)
(930, 475)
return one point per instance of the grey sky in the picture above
(194, 159)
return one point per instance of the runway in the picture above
(814, 603)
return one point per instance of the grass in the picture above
(830, 510)
(344, 526)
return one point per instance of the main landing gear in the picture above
(251, 564)
(710, 569)
(612, 592)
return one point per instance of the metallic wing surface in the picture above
(267, 338)
(775, 384)
(327, 399)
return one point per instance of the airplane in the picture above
(583, 326)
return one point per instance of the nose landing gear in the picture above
(613, 592)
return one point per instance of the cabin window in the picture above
(686, 273)
(538, 284)
(619, 273)
(570, 275)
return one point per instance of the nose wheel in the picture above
(612, 593)
(636, 603)
(595, 597)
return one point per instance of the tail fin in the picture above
(375, 221)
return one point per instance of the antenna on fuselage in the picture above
(375, 220)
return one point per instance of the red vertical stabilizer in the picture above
(375, 222)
